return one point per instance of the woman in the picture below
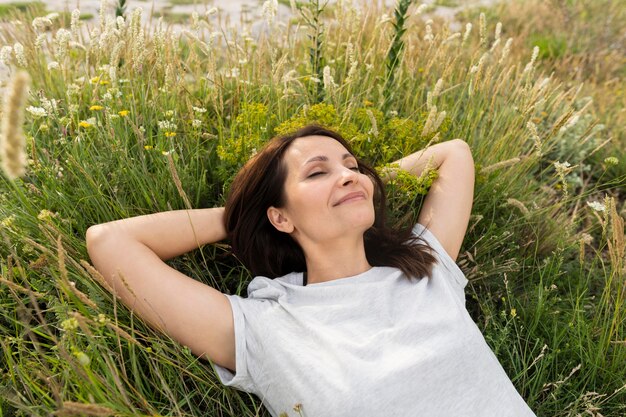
(345, 316)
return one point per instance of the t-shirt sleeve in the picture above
(444, 257)
(240, 380)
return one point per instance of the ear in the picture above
(279, 220)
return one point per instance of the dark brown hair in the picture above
(267, 252)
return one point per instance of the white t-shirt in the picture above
(373, 344)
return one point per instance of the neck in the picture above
(329, 262)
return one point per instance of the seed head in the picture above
(18, 50)
(468, 30)
(5, 55)
(74, 23)
(12, 143)
(483, 29)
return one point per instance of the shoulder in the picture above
(272, 288)
(445, 261)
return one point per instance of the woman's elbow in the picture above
(461, 144)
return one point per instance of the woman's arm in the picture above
(169, 233)
(448, 205)
(130, 255)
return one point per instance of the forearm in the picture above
(416, 162)
(168, 234)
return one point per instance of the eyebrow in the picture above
(325, 158)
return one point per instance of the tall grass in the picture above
(127, 119)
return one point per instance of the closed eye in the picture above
(315, 174)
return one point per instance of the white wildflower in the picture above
(36, 112)
(39, 40)
(18, 50)
(5, 54)
(53, 65)
(596, 205)
(49, 105)
(41, 23)
(169, 113)
(167, 125)
(196, 123)
(561, 166)
(199, 109)
(62, 40)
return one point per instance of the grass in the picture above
(544, 249)
(7, 10)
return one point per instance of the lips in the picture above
(348, 197)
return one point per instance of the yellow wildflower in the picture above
(367, 103)
(513, 312)
(95, 107)
(104, 82)
(94, 80)
(84, 124)
(170, 134)
(123, 113)
(147, 147)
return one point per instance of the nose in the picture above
(349, 176)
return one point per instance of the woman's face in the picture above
(326, 196)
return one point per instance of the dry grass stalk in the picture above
(516, 203)
(71, 409)
(97, 276)
(12, 143)
(19, 288)
(179, 185)
(501, 164)
(616, 244)
(122, 333)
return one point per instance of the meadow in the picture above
(123, 119)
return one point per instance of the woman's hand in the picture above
(130, 254)
(448, 205)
